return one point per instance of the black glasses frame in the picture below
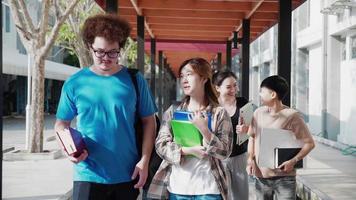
(101, 53)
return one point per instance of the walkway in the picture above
(329, 174)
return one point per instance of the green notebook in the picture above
(186, 134)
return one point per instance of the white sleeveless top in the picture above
(192, 177)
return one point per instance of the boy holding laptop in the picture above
(273, 114)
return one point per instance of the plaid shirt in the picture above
(218, 148)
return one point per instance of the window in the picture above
(255, 85)
(303, 16)
(264, 71)
(254, 48)
(353, 47)
(342, 14)
(19, 45)
(353, 11)
(7, 19)
(340, 17)
(301, 83)
(2, 16)
(343, 48)
(264, 41)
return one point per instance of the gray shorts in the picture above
(282, 188)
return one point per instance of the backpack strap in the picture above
(133, 73)
(138, 123)
(155, 160)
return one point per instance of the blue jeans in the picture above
(195, 197)
(283, 188)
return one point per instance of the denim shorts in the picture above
(195, 197)
(282, 188)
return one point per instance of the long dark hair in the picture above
(203, 69)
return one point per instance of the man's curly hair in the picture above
(112, 27)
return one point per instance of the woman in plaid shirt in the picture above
(201, 176)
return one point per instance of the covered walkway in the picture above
(173, 31)
(170, 32)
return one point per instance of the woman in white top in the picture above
(194, 172)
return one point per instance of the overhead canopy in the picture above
(197, 22)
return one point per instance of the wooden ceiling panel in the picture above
(192, 38)
(210, 22)
(260, 16)
(190, 27)
(192, 33)
(198, 21)
(268, 7)
(175, 59)
(195, 5)
(195, 14)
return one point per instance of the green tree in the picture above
(70, 33)
(129, 55)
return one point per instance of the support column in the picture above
(164, 89)
(172, 90)
(21, 94)
(324, 77)
(47, 95)
(333, 88)
(245, 68)
(112, 6)
(219, 61)
(159, 92)
(168, 87)
(153, 66)
(284, 43)
(1, 113)
(141, 43)
(228, 55)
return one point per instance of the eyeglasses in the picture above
(102, 53)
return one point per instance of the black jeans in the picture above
(95, 191)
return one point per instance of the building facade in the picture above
(15, 66)
(323, 77)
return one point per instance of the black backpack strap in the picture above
(155, 160)
(133, 73)
(138, 123)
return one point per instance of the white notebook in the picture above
(275, 138)
(246, 112)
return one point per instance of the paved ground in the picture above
(331, 172)
(30, 180)
(328, 171)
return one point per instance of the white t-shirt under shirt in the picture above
(192, 177)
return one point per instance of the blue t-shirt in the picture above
(105, 108)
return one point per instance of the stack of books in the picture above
(275, 145)
(184, 132)
(72, 141)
